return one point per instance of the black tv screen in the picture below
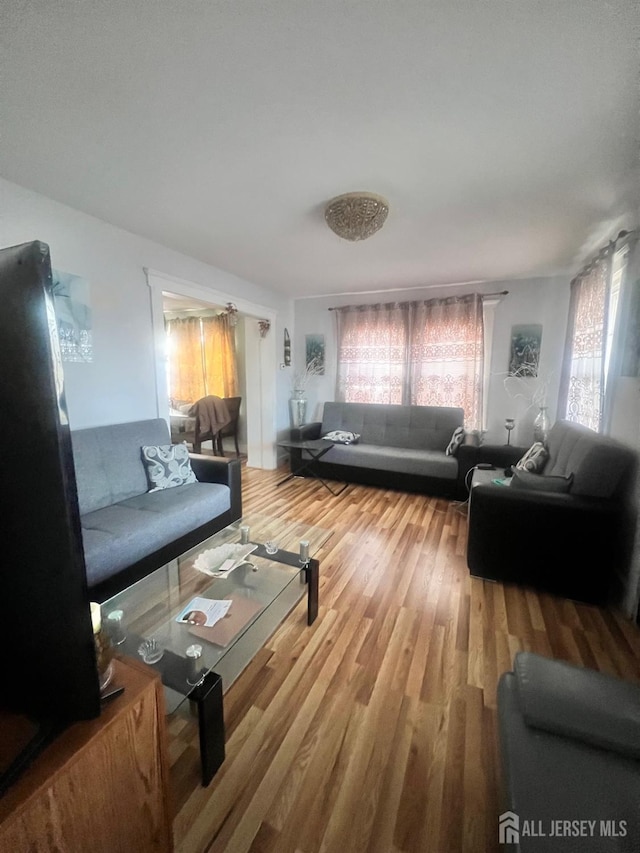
(48, 668)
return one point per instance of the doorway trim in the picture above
(260, 352)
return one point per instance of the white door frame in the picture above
(260, 354)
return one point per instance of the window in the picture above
(593, 309)
(421, 353)
(201, 358)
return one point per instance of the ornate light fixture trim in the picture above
(357, 215)
(232, 311)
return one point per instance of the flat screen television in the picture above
(48, 668)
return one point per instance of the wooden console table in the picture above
(102, 785)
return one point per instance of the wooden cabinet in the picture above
(101, 786)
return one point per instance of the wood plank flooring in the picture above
(375, 729)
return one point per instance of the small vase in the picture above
(541, 425)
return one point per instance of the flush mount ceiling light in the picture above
(356, 216)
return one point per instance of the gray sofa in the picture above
(574, 544)
(569, 744)
(400, 447)
(128, 531)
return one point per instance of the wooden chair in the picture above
(231, 429)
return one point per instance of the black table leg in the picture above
(307, 465)
(312, 577)
(208, 697)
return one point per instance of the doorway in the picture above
(256, 354)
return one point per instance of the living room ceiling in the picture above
(503, 133)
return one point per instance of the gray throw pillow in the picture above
(539, 483)
(167, 465)
(534, 459)
(341, 436)
(456, 440)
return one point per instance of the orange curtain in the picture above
(219, 356)
(186, 376)
(202, 358)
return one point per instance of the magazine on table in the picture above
(204, 611)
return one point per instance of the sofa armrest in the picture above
(227, 472)
(501, 455)
(467, 457)
(579, 703)
(306, 432)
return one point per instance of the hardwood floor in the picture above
(375, 729)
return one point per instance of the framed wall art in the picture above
(314, 353)
(525, 350)
(71, 300)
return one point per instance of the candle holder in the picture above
(115, 627)
(245, 532)
(509, 424)
(304, 552)
(194, 672)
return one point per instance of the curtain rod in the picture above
(481, 295)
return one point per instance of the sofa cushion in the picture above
(108, 463)
(115, 537)
(414, 427)
(167, 466)
(540, 482)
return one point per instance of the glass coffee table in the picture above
(196, 662)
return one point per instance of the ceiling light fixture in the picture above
(356, 216)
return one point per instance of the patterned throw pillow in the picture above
(340, 436)
(456, 440)
(534, 459)
(167, 465)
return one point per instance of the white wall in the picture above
(119, 385)
(541, 300)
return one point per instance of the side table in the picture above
(316, 449)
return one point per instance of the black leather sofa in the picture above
(576, 544)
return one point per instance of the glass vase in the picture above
(541, 425)
(297, 409)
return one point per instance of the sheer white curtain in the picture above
(582, 383)
(423, 353)
(372, 353)
(447, 355)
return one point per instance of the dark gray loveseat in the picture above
(128, 531)
(569, 743)
(400, 447)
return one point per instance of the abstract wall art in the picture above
(71, 299)
(525, 350)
